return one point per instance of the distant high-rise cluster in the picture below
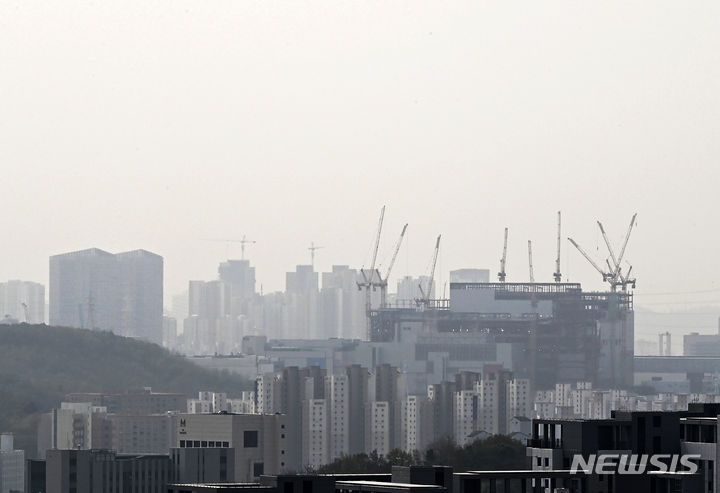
(95, 289)
(219, 313)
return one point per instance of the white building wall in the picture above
(315, 436)
(465, 419)
(377, 428)
(338, 397)
(488, 406)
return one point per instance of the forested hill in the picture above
(39, 365)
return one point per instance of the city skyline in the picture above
(509, 115)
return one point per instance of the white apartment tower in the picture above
(315, 433)
(377, 428)
(266, 390)
(518, 399)
(465, 415)
(337, 394)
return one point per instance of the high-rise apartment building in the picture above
(342, 305)
(314, 433)
(301, 290)
(98, 290)
(240, 276)
(337, 395)
(141, 295)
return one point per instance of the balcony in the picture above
(544, 443)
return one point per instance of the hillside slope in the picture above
(40, 364)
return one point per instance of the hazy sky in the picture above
(154, 124)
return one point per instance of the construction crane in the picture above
(384, 280)
(312, 249)
(532, 274)
(501, 274)
(557, 275)
(604, 274)
(626, 280)
(425, 300)
(369, 282)
(243, 242)
(614, 275)
(27, 312)
(615, 270)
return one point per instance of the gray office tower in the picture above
(98, 290)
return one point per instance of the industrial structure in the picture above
(547, 332)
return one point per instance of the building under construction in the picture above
(550, 333)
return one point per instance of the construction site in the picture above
(548, 332)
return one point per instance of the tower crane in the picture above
(369, 283)
(614, 275)
(501, 274)
(243, 242)
(557, 275)
(425, 300)
(384, 281)
(604, 274)
(312, 249)
(532, 274)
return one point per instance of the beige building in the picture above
(259, 440)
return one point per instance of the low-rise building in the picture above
(260, 440)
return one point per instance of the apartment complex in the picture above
(94, 289)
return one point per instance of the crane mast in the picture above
(532, 274)
(557, 275)
(426, 294)
(312, 249)
(501, 274)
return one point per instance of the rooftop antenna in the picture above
(501, 274)
(532, 274)
(557, 275)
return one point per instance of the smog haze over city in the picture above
(160, 124)
(339, 246)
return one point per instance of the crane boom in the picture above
(377, 242)
(587, 257)
(501, 274)
(369, 283)
(616, 267)
(395, 253)
(627, 237)
(432, 269)
(532, 274)
(557, 275)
